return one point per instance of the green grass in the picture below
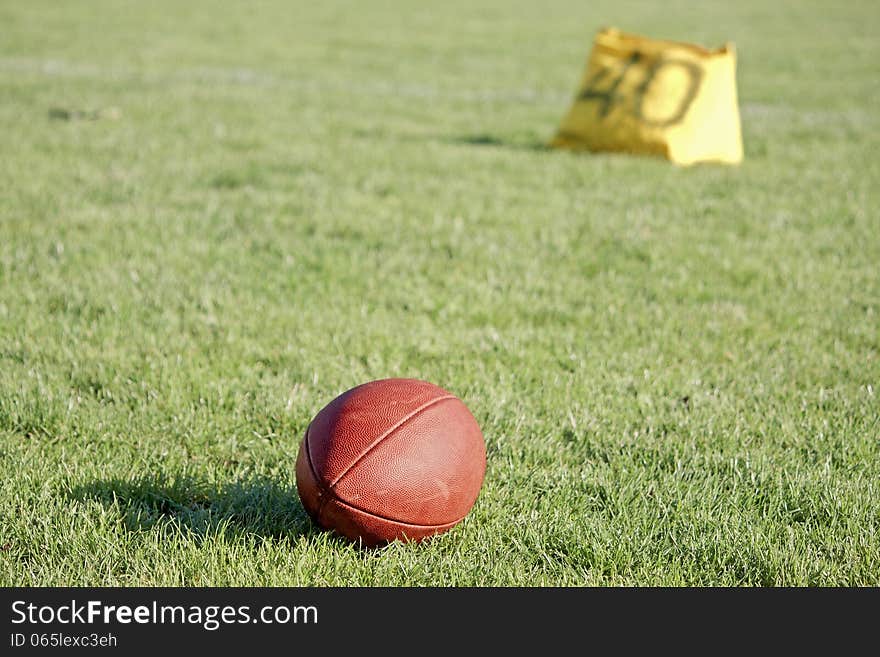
(215, 218)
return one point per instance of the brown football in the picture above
(391, 459)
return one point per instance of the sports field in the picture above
(216, 217)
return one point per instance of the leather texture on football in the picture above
(391, 459)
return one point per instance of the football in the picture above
(393, 459)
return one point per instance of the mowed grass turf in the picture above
(214, 218)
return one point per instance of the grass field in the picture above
(214, 218)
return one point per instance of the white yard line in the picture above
(250, 77)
